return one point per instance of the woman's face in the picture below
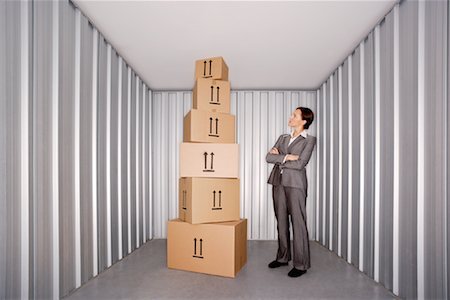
(295, 120)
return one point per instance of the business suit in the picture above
(290, 188)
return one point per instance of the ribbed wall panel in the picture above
(355, 80)
(344, 153)
(408, 45)
(132, 183)
(151, 164)
(114, 123)
(395, 126)
(320, 218)
(261, 116)
(124, 155)
(328, 165)
(435, 72)
(15, 115)
(86, 124)
(334, 143)
(44, 66)
(369, 154)
(66, 148)
(447, 219)
(386, 161)
(102, 175)
(168, 110)
(101, 155)
(60, 137)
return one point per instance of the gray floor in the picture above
(144, 275)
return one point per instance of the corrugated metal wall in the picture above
(261, 116)
(15, 119)
(77, 126)
(74, 151)
(383, 153)
(447, 204)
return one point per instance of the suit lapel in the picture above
(296, 141)
(286, 143)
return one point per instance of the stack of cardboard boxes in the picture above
(209, 236)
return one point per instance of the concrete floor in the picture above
(144, 275)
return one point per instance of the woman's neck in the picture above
(297, 131)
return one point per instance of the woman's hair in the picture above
(307, 115)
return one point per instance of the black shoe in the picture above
(276, 264)
(296, 272)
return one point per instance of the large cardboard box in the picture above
(214, 67)
(207, 200)
(209, 160)
(212, 95)
(204, 126)
(217, 249)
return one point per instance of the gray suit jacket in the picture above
(294, 172)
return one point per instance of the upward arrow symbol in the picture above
(195, 248)
(212, 160)
(210, 125)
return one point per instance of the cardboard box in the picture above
(217, 249)
(209, 160)
(214, 67)
(212, 95)
(209, 127)
(207, 200)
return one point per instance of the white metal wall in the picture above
(74, 152)
(88, 161)
(383, 197)
(261, 116)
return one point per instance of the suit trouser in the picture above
(291, 201)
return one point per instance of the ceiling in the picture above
(266, 45)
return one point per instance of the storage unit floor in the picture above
(144, 275)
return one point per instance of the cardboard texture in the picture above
(209, 160)
(212, 95)
(207, 200)
(208, 127)
(217, 249)
(213, 67)
(209, 236)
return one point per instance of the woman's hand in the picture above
(291, 157)
(274, 151)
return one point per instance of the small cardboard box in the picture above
(217, 249)
(209, 160)
(204, 126)
(214, 67)
(207, 200)
(212, 95)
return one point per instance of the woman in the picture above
(291, 154)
